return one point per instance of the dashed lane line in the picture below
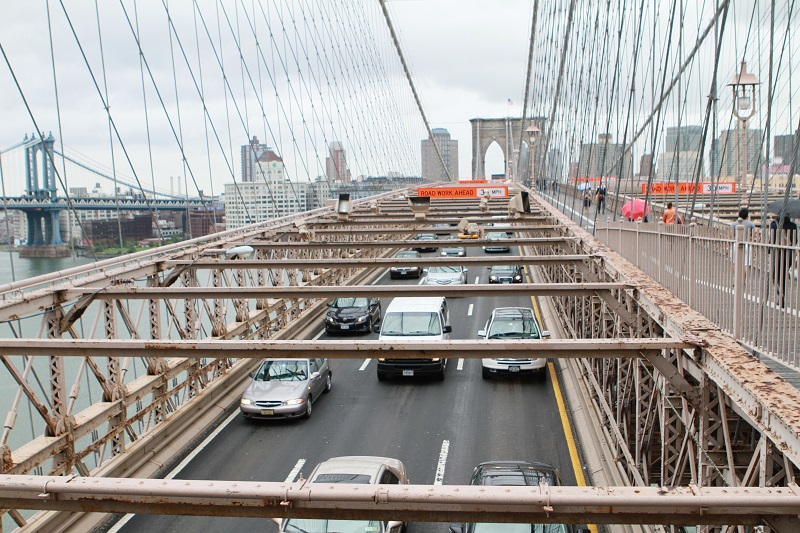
(441, 464)
(469, 311)
(364, 364)
(296, 470)
(460, 364)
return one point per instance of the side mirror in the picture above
(329, 304)
(394, 525)
(278, 521)
(314, 375)
(546, 334)
(447, 329)
(376, 328)
(252, 375)
(466, 270)
(424, 270)
(456, 529)
(481, 333)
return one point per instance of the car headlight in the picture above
(330, 320)
(361, 319)
(492, 278)
(436, 360)
(297, 401)
(381, 359)
(247, 401)
(517, 277)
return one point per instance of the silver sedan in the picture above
(285, 388)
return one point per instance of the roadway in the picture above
(439, 429)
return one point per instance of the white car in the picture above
(445, 275)
(513, 323)
(497, 242)
(359, 470)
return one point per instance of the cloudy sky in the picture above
(468, 59)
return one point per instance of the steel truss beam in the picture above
(376, 291)
(260, 349)
(301, 244)
(690, 505)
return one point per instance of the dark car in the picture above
(423, 242)
(516, 474)
(506, 274)
(405, 271)
(352, 314)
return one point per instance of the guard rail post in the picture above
(738, 279)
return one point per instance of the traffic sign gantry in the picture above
(495, 191)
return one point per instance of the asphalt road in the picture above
(406, 419)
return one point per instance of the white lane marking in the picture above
(296, 470)
(469, 311)
(460, 364)
(177, 470)
(319, 334)
(421, 280)
(477, 280)
(442, 460)
(364, 364)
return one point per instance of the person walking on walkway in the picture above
(784, 236)
(600, 198)
(670, 215)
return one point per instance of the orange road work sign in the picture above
(689, 188)
(494, 191)
(473, 182)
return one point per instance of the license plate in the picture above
(408, 372)
(343, 326)
(267, 412)
(513, 369)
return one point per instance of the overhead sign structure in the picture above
(689, 188)
(493, 191)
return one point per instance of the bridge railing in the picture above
(746, 281)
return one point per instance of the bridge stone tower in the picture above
(44, 231)
(507, 133)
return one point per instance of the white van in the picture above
(412, 320)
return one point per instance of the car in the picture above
(359, 470)
(352, 315)
(442, 229)
(285, 388)
(405, 271)
(506, 274)
(445, 275)
(455, 251)
(423, 243)
(513, 323)
(496, 244)
(521, 474)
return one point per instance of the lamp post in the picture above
(533, 138)
(743, 87)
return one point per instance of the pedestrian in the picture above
(555, 186)
(744, 220)
(600, 198)
(586, 201)
(670, 215)
(784, 236)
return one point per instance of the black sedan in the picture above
(506, 274)
(352, 314)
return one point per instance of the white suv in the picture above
(513, 323)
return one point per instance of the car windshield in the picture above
(359, 479)
(497, 235)
(406, 255)
(444, 270)
(453, 250)
(411, 324)
(316, 525)
(520, 528)
(290, 370)
(513, 329)
(340, 303)
(425, 237)
(503, 269)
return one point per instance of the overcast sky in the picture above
(468, 59)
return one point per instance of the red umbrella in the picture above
(635, 209)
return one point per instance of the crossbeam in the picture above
(376, 291)
(446, 503)
(395, 243)
(377, 262)
(336, 349)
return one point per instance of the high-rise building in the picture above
(784, 144)
(727, 156)
(250, 154)
(682, 154)
(604, 158)
(432, 168)
(684, 138)
(645, 165)
(336, 163)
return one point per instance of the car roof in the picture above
(407, 252)
(513, 313)
(513, 473)
(403, 304)
(358, 464)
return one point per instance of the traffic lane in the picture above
(406, 419)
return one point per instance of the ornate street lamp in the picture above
(743, 86)
(533, 138)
